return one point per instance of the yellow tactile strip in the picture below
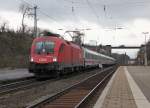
(119, 94)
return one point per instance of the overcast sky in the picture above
(101, 16)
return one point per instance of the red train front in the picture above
(52, 55)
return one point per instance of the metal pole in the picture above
(96, 46)
(145, 52)
(125, 58)
(35, 21)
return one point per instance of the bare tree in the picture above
(25, 10)
(4, 27)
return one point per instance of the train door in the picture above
(68, 55)
(61, 56)
(72, 56)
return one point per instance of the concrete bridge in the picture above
(125, 47)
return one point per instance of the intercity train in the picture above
(52, 55)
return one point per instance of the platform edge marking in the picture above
(140, 100)
(102, 97)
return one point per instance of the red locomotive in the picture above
(52, 55)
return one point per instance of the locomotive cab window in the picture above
(44, 47)
(38, 47)
(49, 47)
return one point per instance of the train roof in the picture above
(98, 54)
(57, 39)
(47, 33)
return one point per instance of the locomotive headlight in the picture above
(31, 59)
(54, 59)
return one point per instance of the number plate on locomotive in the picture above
(43, 59)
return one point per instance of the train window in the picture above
(49, 47)
(90, 56)
(94, 56)
(39, 46)
(44, 47)
(86, 54)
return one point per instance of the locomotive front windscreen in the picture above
(44, 47)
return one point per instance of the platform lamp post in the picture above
(145, 54)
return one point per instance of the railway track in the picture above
(15, 86)
(77, 95)
(21, 85)
(5, 82)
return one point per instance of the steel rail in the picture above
(9, 81)
(52, 98)
(22, 84)
(14, 87)
(8, 88)
(87, 97)
(14, 83)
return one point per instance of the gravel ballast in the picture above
(23, 97)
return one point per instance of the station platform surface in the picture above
(128, 88)
(10, 74)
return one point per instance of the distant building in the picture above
(122, 59)
(131, 61)
(107, 48)
(140, 56)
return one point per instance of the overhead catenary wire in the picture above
(73, 11)
(75, 17)
(92, 7)
(130, 3)
(97, 17)
(88, 4)
(77, 2)
(93, 10)
(44, 13)
(122, 4)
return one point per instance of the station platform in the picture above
(11, 74)
(128, 88)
